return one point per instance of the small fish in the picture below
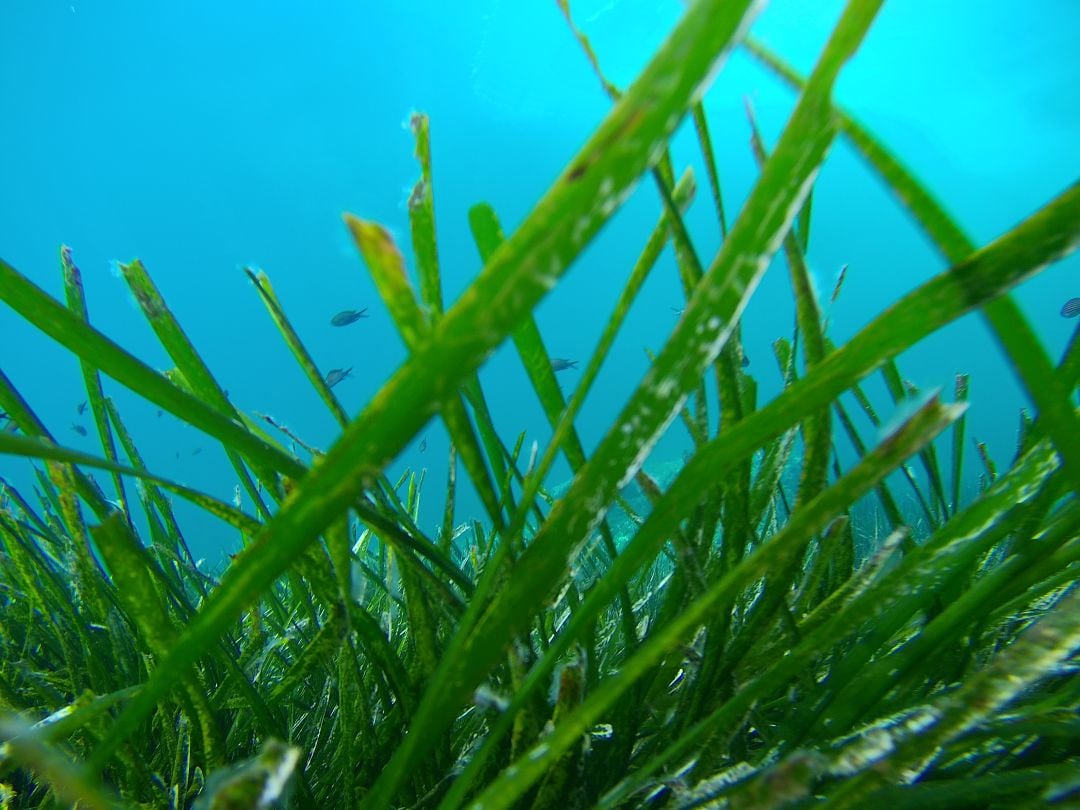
(336, 375)
(676, 310)
(745, 360)
(347, 316)
(160, 413)
(79, 429)
(1071, 308)
(82, 407)
(423, 444)
(196, 451)
(561, 364)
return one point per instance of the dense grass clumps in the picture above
(758, 624)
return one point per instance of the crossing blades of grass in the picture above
(1003, 262)
(774, 555)
(700, 334)
(520, 273)
(1027, 354)
(717, 637)
(87, 343)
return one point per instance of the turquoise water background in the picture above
(205, 136)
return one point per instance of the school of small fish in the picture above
(1071, 308)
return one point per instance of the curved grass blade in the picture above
(76, 300)
(610, 89)
(1044, 386)
(176, 542)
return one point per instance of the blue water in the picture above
(202, 137)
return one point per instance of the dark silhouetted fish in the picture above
(347, 316)
(1071, 308)
(79, 429)
(82, 407)
(336, 375)
(562, 364)
(745, 360)
(423, 444)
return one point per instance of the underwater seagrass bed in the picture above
(735, 636)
